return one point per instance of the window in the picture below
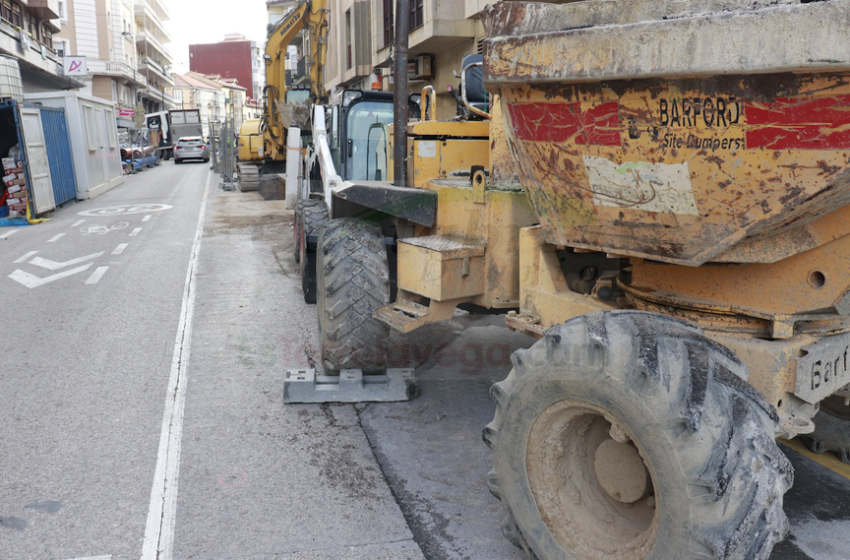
(7, 11)
(62, 10)
(417, 13)
(367, 140)
(16, 15)
(388, 22)
(348, 39)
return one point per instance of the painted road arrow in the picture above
(33, 281)
(53, 265)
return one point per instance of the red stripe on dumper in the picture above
(558, 122)
(803, 124)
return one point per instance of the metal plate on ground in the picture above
(304, 386)
(823, 369)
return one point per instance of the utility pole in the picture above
(402, 20)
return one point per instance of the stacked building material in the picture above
(15, 197)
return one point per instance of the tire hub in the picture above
(620, 471)
(593, 491)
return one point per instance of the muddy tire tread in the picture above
(719, 428)
(353, 281)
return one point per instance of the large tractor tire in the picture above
(353, 279)
(832, 429)
(630, 435)
(314, 213)
(311, 220)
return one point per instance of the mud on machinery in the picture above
(659, 192)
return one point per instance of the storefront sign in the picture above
(75, 66)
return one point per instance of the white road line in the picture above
(120, 249)
(8, 233)
(78, 223)
(135, 232)
(55, 237)
(108, 557)
(53, 265)
(25, 257)
(32, 281)
(146, 218)
(97, 275)
(162, 513)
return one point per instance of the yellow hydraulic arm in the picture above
(311, 15)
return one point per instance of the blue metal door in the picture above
(59, 154)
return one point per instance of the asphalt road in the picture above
(141, 415)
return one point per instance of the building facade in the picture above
(235, 58)
(155, 59)
(193, 91)
(442, 32)
(122, 42)
(27, 33)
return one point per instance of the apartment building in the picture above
(442, 32)
(350, 45)
(27, 32)
(107, 43)
(155, 59)
(235, 98)
(234, 58)
(122, 41)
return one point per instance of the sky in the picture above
(208, 21)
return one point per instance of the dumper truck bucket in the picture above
(720, 139)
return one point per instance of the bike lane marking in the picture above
(78, 223)
(120, 249)
(33, 281)
(135, 232)
(25, 257)
(56, 237)
(97, 275)
(8, 233)
(126, 209)
(54, 266)
(146, 218)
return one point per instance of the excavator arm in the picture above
(311, 15)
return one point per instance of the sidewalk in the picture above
(257, 479)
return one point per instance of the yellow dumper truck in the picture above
(658, 191)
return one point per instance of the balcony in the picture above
(35, 59)
(158, 95)
(151, 68)
(117, 69)
(43, 9)
(155, 7)
(148, 20)
(146, 41)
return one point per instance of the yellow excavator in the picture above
(283, 107)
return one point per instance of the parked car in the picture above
(191, 147)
